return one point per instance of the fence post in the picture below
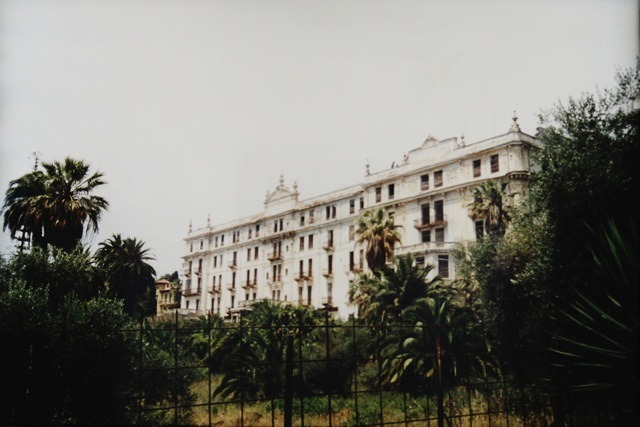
(288, 381)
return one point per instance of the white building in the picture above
(304, 251)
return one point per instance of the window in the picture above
(443, 266)
(424, 182)
(378, 194)
(197, 304)
(352, 232)
(437, 178)
(233, 279)
(257, 230)
(330, 264)
(330, 238)
(215, 261)
(495, 163)
(222, 240)
(281, 228)
(391, 191)
(216, 241)
(301, 269)
(425, 236)
(301, 219)
(233, 299)
(249, 254)
(420, 261)
(250, 231)
(352, 261)
(191, 247)
(200, 265)
(255, 253)
(361, 203)
(352, 206)
(361, 259)
(310, 241)
(424, 208)
(302, 243)
(275, 226)
(438, 207)
(255, 276)
(440, 235)
(308, 295)
(201, 244)
(311, 217)
(479, 230)
(310, 267)
(476, 168)
(328, 212)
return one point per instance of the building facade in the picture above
(304, 252)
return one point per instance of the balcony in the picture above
(275, 284)
(328, 245)
(215, 289)
(426, 224)
(328, 300)
(327, 272)
(199, 272)
(231, 287)
(247, 284)
(300, 277)
(191, 292)
(233, 264)
(274, 256)
(187, 272)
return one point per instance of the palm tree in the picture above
(128, 275)
(384, 297)
(490, 205)
(378, 231)
(23, 210)
(52, 207)
(251, 356)
(436, 350)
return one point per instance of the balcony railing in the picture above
(215, 289)
(328, 245)
(233, 264)
(190, 292)
(249, 284)
(274, 256)
(427, 224)
(199, 272)
(231, 287)
(187, 272)
(327, 272)
(275, 284)
(328, 300)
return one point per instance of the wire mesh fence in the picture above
(203, 371)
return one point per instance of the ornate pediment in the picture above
(282, 193)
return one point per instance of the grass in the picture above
(474, 409)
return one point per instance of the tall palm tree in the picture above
(53, 206)
(437, 349)
(128, 275)
(378, 231)
(69, 202)
(491, 205)
(23, 211)
(384, 297)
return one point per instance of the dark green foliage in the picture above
(128, 274)
(54, 206)
(251, 353)
(598, 345)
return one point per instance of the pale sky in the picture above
(195, 108)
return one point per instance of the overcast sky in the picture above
(195, 108)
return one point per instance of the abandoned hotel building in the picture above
(304, 252)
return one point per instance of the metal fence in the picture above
(363, 399)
